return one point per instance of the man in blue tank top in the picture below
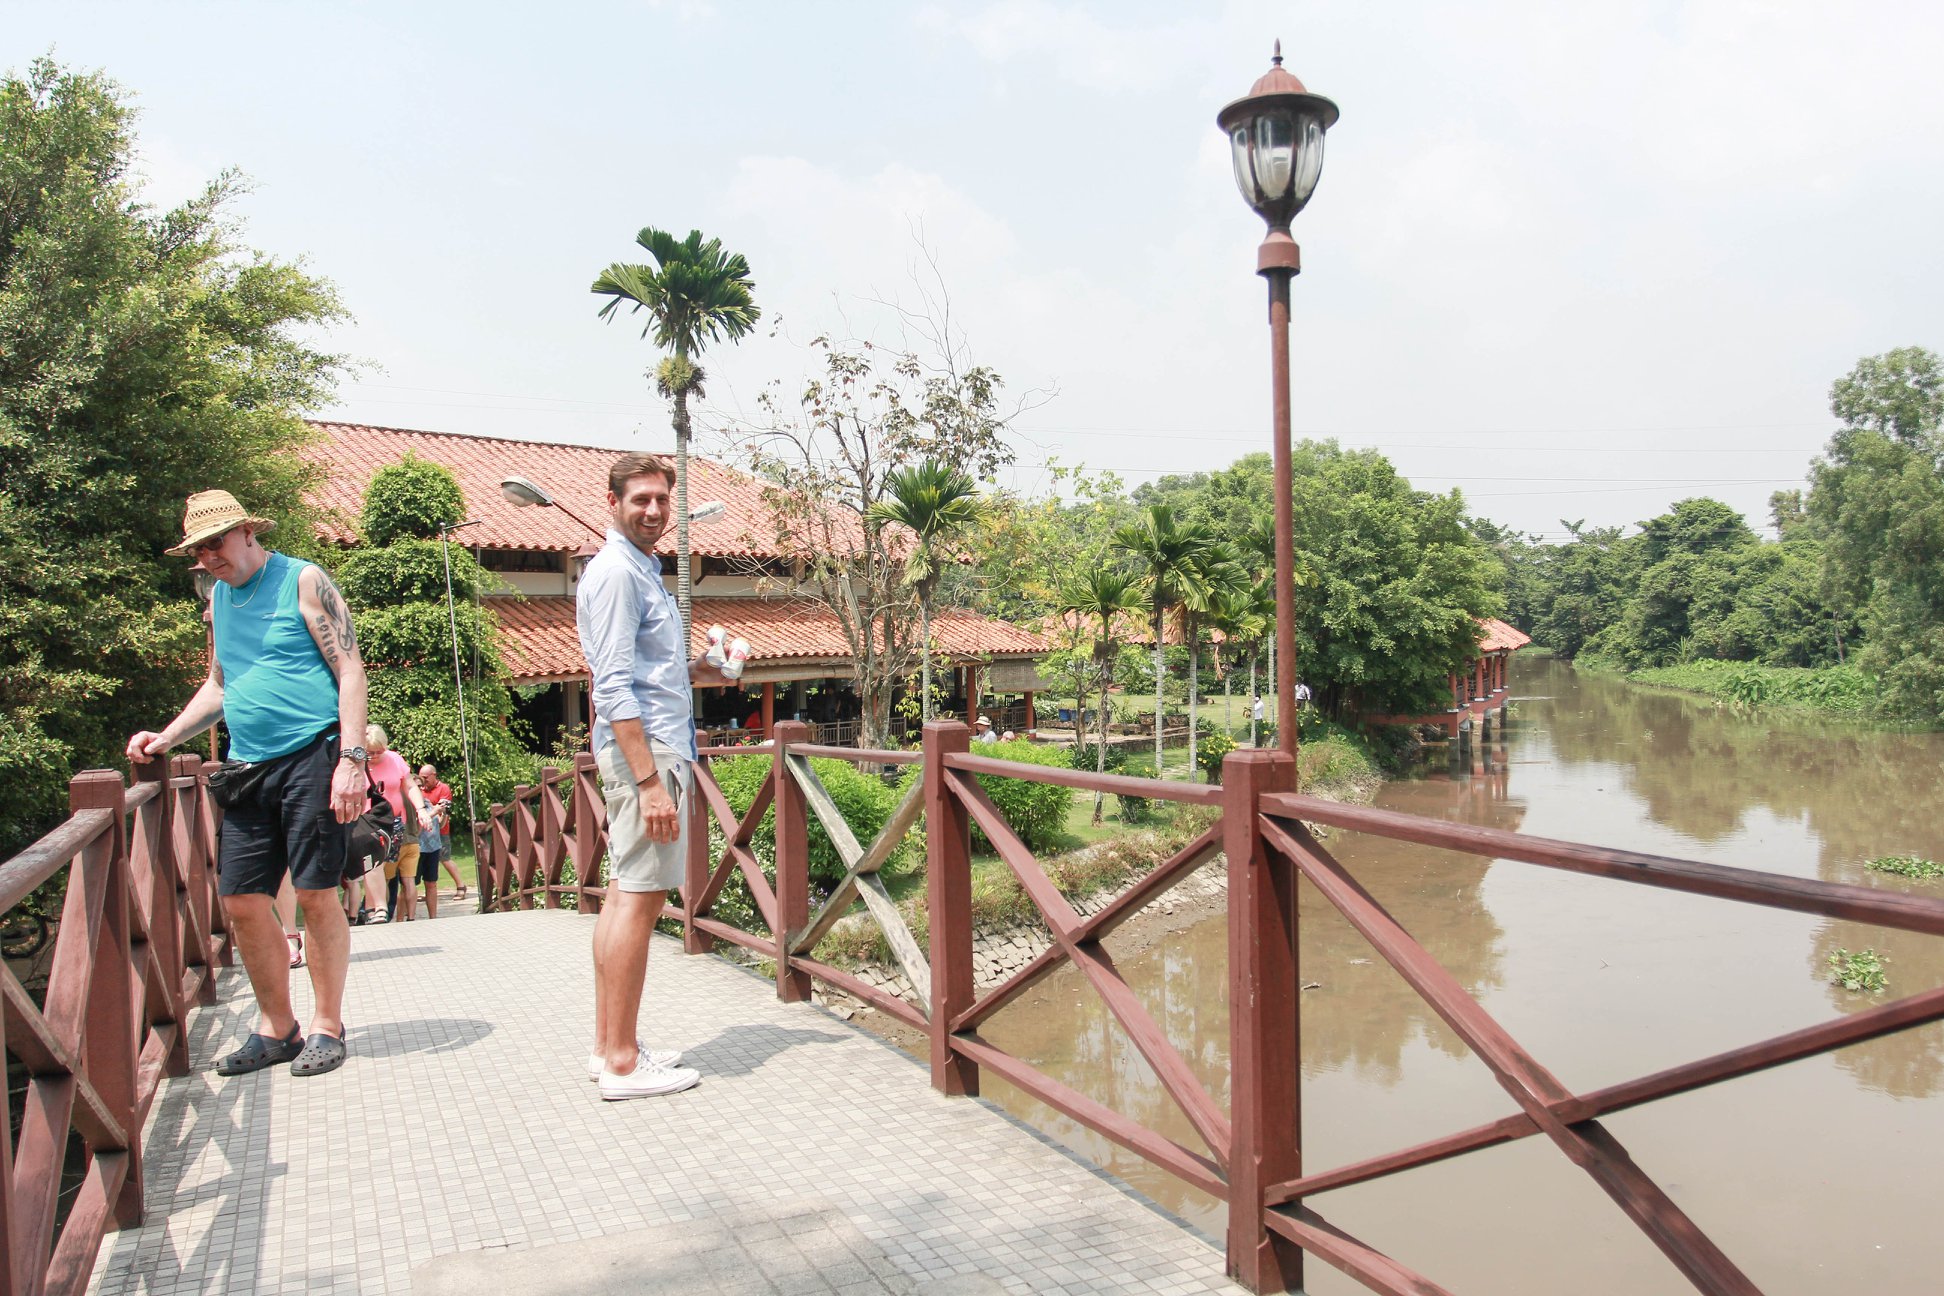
(287, 681)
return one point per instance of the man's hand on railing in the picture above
(146, 746)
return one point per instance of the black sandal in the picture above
(260, 1051)
(321, 1053)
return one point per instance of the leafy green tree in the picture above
(144, 355)
(1099, 594)
(1174, 560)
(695, 293)
(1246, 616)
(936, 503)
(396, 586)
(1877, 502)
(1396, 582)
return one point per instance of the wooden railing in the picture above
(1249, 1155)
(140, 933)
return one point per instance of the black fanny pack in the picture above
(235, 784)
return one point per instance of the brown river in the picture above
(1820, 1176)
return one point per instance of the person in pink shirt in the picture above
(392, 777)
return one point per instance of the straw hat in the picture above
(210, 513)
(984, 720)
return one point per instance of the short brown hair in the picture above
(637, 464)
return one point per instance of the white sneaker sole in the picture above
(635, 1085)
(666, 1059)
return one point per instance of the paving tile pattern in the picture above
(464, 1122)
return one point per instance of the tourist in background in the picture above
(392, 779)
(439, 797)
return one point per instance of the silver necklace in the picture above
(256, 584)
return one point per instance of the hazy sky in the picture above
(1578, 260)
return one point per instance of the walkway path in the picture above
(462, 1146)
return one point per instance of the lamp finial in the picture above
(1276, 58)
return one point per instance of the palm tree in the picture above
(934, 501)
(1246, 615)
(695, 294)
(1217, 573)
(1171, 557)
(1102, 593)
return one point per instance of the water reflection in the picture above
(1603, 981)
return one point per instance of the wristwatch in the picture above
(357, 754)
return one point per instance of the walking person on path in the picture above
(439, 796)
(287, 681)
(392, 779)
(644, 744)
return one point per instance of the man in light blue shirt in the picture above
(644, 743)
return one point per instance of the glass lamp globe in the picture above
(1276, 143)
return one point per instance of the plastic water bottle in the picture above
(735, 658)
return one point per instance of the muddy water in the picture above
(1826, 1174)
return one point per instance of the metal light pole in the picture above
(458, 680)
(1276, 137)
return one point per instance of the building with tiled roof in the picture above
(801, 660)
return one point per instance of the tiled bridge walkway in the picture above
(462, 1148)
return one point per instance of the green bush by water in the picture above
(1840, 689)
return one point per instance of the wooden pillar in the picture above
(1032, 717)
(1478, 678)
(584, 792)
(113, 1029)
(971, 693)
(948, 897)
(792, 856)
(769, 711)
(1265, 1034)
(695, 875)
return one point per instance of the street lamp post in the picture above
(458, 680)
(1276, 140)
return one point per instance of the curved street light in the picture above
(524, 492)
(1275, 137)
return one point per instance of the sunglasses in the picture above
(210, 545)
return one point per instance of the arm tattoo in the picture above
(336, 640)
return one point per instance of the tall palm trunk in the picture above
(1253, 695)
(682, 585)
(924, 628)
(1160, 672)
(1194, 687)
(1100, 743)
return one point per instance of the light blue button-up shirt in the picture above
(631, 634)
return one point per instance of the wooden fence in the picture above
(140, 934)
(1251, 1154)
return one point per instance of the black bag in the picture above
(235, 783)
(374, 837)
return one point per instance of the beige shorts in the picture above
(634, 862)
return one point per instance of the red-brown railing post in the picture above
(695, 866)
(199, 893)
(1265, 1040)
(948, 897)
(485, 867)
(590, 833)
(792, 862)
(165, 934)
(547, 843)
(114, 1010)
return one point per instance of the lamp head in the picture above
(1276, 143)
(708, 510)
(522, 493)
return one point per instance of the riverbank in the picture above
(1840, 691)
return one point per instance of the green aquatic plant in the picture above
(1860, 972)
(1910, 866)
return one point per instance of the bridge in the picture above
(461, 1145)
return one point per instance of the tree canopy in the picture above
(144, 355)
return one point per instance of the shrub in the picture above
(1209, 751)
(1036, 811)
(865, 802)
(412, 497)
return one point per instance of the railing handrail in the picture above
(1207, 794)
(22, 875)
(1720, 881)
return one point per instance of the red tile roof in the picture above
(575, 475)
(1500, 637)
(540, 642)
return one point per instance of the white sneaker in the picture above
(664, 1058)
(647, 1081)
